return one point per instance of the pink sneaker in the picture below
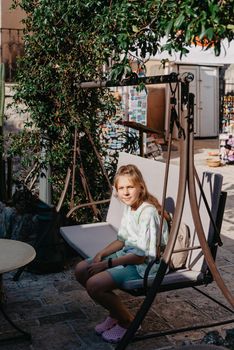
(107, 324)
(115, 334)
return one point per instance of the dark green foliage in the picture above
(68, 42)
(59, 55)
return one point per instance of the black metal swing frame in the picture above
(188, 176)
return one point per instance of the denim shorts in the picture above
(120, 273)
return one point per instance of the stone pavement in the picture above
(60, 315)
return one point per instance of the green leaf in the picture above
(169, 27)
(203, 31)
(179, 20)
(209, 33)
(231, 27)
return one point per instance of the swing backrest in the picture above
(154, 173)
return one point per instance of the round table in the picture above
(14, 254)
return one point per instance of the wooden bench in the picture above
(88, 239)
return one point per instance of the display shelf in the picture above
(226, 147)
(227, 123)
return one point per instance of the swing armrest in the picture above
(86, 205)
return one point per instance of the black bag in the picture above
(32, 221)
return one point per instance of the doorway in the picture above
(205, 87)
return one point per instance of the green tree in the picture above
(58, 55)
(68, 42)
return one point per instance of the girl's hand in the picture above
(97, 258)
(96, 267)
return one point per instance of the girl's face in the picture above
(128, 192)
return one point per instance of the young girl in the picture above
(126, 258)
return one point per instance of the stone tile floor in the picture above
(60, 315)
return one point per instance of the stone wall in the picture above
(14, 120)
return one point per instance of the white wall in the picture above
(200, 56)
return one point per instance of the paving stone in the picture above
(186, 337)
(178, 314)
(150, 344)
(211, 309)
(24, 305)
(85, 331)
(19, 346)
(60, 317)
(55, 337)
(152, 322)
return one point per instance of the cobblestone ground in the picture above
(60, 315)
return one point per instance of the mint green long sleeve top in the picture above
(139, 230)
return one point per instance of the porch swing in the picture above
(199, 202)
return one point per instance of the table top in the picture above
(14, 254)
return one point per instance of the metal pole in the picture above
(134, 80)
(199, 228)
(154, 289)
(45, 173)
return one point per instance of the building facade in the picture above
(11, 43)
(213, 87)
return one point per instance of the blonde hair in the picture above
(137, 179)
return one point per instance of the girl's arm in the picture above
(129, 259)
(111, 248)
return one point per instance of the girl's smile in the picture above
(128, 192)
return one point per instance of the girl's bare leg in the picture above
(100, 288)
(81, 272)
